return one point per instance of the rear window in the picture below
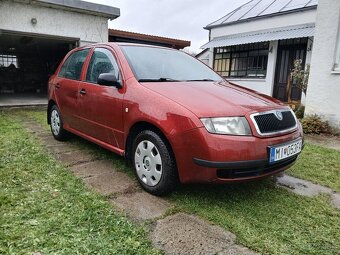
(72, 67)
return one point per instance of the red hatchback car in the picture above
(170, 115)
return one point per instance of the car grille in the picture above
(270, 123)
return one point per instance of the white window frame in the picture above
(336, 66)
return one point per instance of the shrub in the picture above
(300, 112)
(313, 124)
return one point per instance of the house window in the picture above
(7, 60)
(242, 61)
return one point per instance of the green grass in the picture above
(319, 165)
(44, 208)
(264, 217)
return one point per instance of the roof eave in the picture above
(105, 11)
(203, 51)
(150, 38)
(209, 27)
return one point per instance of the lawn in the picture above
(44, 208)
(264, 217)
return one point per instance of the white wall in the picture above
(17, 17)
(323, 94)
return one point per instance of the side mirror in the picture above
(109, 79)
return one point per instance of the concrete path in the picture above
(174, 234)
(20, 100)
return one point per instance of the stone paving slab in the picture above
(93, 169)
(186, 234)
(34, 126)
(336, 200)
(141, 205)
(49, 140)
(307, 188)
(31, 123)
(61, 148)
(111, 183)
(301, 187)
(35, 132)
(44, 135)
(72, 158)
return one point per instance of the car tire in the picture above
(56, 124)
(154, 163)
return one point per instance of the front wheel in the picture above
(57, 128)
(154, 163)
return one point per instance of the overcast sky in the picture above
(181, 19)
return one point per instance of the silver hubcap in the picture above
(148, 163)
(55, 122)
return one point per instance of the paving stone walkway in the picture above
(179, 233)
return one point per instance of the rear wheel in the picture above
(154, 163)
(57, 129)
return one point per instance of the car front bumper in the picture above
(205, 157)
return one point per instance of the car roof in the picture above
(121, 44)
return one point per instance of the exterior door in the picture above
(288, 51)
(100, 107)
(66, 86)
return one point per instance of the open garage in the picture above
(36, 35)
(26, 63)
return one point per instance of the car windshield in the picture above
(158, 64)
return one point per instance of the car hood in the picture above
(214, 99)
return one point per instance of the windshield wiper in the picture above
(201, 80)
(157, 80)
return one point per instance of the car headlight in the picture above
(227, 125)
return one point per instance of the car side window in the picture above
(72, 67)
(102, 61)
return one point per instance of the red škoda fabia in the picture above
(170, 115)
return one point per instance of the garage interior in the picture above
(26, 63)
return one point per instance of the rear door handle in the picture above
(57, 86)
(82, 92)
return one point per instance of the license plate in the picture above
(283, 151)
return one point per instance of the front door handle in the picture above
(82, 92)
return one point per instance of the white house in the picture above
(256, 44)
(36, 35)
(323, 95)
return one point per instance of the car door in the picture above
(100, 107)
(66, 86)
